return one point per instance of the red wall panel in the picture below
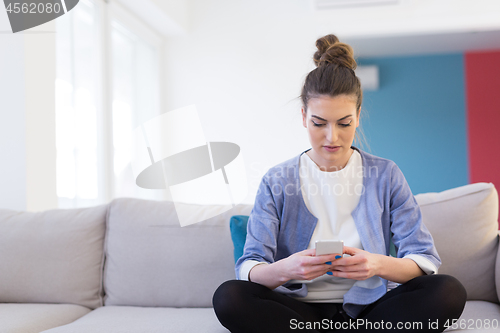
(482, 81)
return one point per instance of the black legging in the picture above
(420, 304)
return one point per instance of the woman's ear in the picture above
(304, 116)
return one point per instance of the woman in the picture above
(336, 191)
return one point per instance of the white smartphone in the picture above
(329, 247)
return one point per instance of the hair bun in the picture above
(331, 51)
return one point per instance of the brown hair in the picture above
(334, 73)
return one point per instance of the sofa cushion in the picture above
(34, 318)
(152, 261)
(128, 319)
(478, 317)
(54, 256)
(464, 222)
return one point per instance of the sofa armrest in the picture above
(497, 269)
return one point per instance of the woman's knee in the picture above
(448, 293)
(223, 293)
(229, 297)
(454, 293)
(449, 287)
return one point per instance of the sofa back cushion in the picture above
(55, 256)
(152, 261)
(464, 224)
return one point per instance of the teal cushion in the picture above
(238, 227)
(392, 248)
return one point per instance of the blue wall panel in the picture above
(417, 119)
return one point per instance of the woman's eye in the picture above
(343, 125)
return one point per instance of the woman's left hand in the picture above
(361, 265)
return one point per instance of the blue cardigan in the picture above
(280, 224)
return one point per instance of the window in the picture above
(135, 82)
(108, 66)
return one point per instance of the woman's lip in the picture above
(331, 149)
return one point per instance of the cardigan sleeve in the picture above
(410, 236)
(262, 229)
(264, 222)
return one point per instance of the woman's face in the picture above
(331, 122)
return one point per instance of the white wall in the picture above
(40, 77)
(27, 126)
(178, 10)
(12, 122)
(243, 63)
(244, 74)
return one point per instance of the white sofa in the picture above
(130, 267)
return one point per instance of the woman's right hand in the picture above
(303, 265)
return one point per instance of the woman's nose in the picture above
(332, 134)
